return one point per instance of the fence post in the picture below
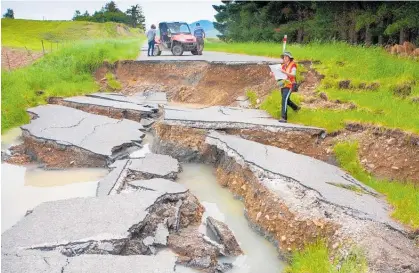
(8, 61)
(43, 49)
(29, 53)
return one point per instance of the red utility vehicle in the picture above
(175, 37)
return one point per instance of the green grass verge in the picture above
(404, 197)
(66, 72)
(360, 65)
(113, 83)
(20, 33)
(315, 258)
(252, 96)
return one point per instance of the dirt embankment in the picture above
(15, 58)
(192, 82)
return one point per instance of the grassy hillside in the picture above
(29, 33)
(63, 72)
(360, 65)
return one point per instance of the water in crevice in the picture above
(259, 254)
(25, 187)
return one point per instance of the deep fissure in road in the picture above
(147, 204)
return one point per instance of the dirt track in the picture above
(16, 58)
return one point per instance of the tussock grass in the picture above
(252, 96)
(66, 72)
(360, 65)
(315, 258)
(29, 33)
(404, 197)
(112, 82)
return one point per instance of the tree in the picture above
(111, 7)
(9, 14)
(136, 17)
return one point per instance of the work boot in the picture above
(298, 109)
(282, 120)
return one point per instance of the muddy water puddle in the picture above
(23, 188)
(259, 254)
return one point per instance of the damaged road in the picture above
(292, 199)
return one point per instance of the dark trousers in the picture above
(150, 48)
(200, 44)
(286, 100)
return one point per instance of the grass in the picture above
(315, 258)
(19, 33)
(360, 65)
(112, 82)
(66, 72)
(404, 197)
(252, 96)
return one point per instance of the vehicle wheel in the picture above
(177, 50)
(194, 52)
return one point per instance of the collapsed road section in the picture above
(292, 199)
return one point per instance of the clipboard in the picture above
(276, 70)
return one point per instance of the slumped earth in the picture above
(120, 182)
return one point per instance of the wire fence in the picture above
(47, 46)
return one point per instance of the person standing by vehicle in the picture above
(289, 68)
(151, 35)
(199, 33)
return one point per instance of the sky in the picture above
(154, 11)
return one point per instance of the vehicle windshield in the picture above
(177, 28)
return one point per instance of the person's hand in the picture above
(283, 71)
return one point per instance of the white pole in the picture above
(284, 44)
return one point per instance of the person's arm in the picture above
(293, 72)
(203, 34)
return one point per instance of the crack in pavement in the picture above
(65, 127)
(95, 127)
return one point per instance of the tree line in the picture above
(110, 13)
(357, 22)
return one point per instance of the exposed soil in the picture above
(192, 82)
(394, 156)
(277, 220)
(12, 58)
(53, 155)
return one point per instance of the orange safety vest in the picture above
(291, 79)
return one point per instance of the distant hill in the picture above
(208, 27)
(18, 33)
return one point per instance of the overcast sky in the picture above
(154, 11)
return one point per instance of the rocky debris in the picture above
(218, 117)
(158, 184)
(67, 128)
(36, 261)
(289, 197)
(193, 249)
(124, 224)
(153, 166)
(225, 236)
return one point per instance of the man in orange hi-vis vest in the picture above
(289, 68)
